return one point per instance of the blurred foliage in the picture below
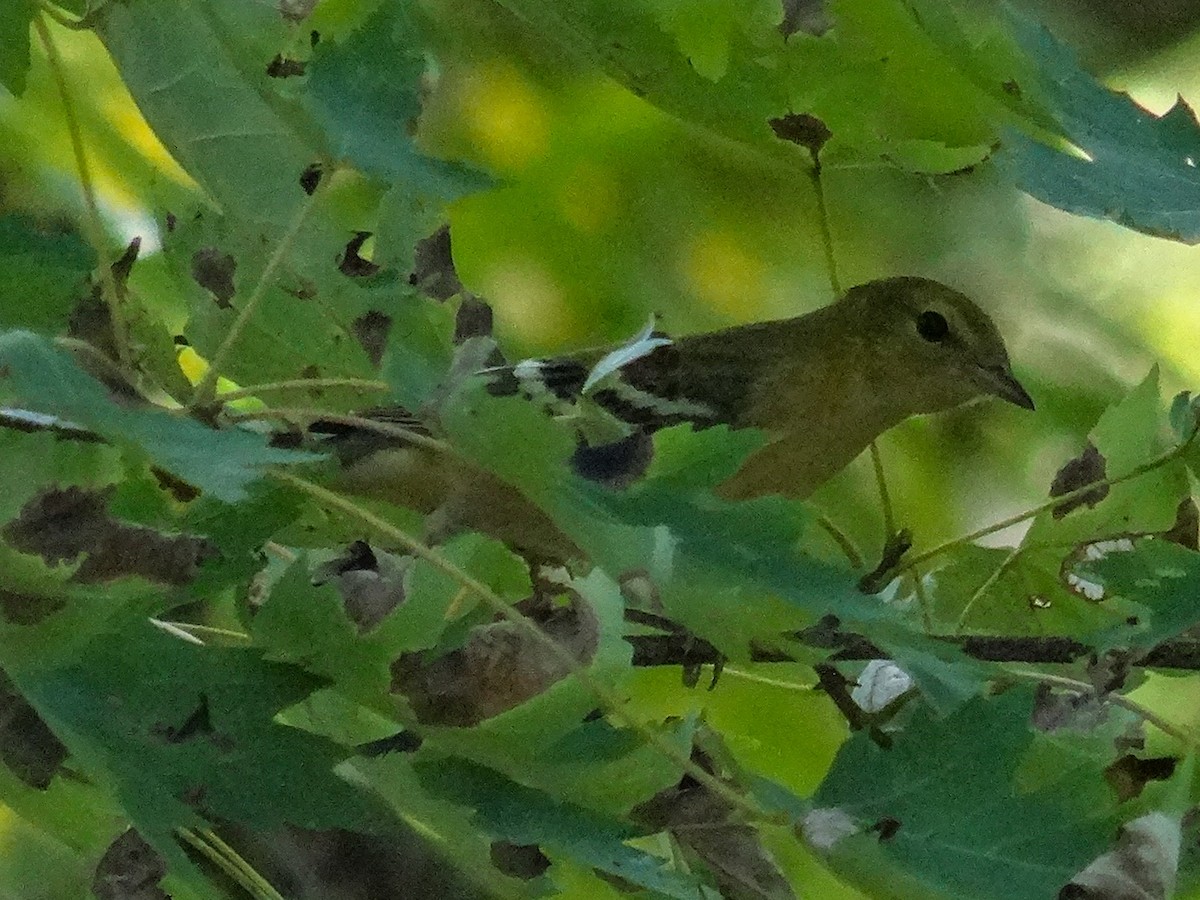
(193, 643)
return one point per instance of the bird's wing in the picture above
(700, 379)
(390, 415)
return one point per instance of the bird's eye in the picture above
(932, 326)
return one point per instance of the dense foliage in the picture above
(212, 658)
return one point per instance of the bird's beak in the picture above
(999, 380)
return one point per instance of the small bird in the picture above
(821, 386)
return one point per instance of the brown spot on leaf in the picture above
(433, 266)
(708, 829)
(27, 609)
(1011, 88)
(124, 265)
(310, 178)
(887, 828)
(296, 10)
(285, 67)
(1143, 864)
(1186, 529)
(198, 725)
(371, 585)
(351, 263)
(214, 271)
(524, 861)
(130, 870)
(1055, 710)
(305, 290)
(27, 745)
(1089, 466)
(175, 486)
(371, 331)
(400, 742)
(1129, 774)
(61, 524)
(801, 128)
(499, 667)
(473, 319)
(808, 16)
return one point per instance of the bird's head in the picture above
(934, 344)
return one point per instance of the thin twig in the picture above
(93, 224)
(826, 228)
(843, 541)
(885, 497)
(987, 585)
(229, 861)
(1135, 472)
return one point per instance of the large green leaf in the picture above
(365, 92)
(524, 816)
(1125, 163)
(946, 816)
(187, 732)
(222, 463)
(202, 86)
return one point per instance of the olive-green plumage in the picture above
(821, 385)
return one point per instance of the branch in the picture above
(680, 649)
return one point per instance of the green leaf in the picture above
(43, 274)
(222, 463)
(1029, 590)
(611, 769)
(525, 816)
(364, 91)
(15, 19)
(202, 87)
(306, 625)
(1137, 169)
(949, 821)
(306, 322)
(187, 731)
(1160, 577)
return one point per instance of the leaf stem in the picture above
(229, 861)
(206, 388)
(885, 497)
(270, 387)
(1135, 472)
(843, 540)
(59, 16)
(826, 228)
(608, 700)
(93, 224)
(988, 584)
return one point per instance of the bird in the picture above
(821, 387)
